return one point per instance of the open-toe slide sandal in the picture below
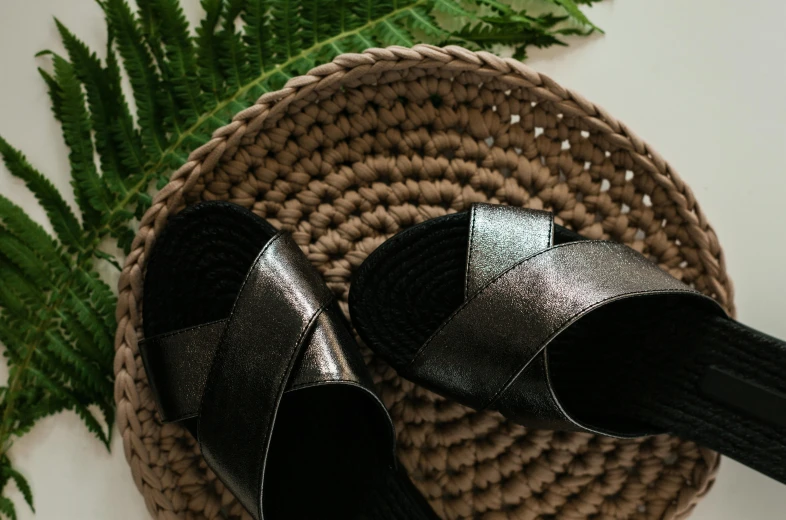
(246, 348)
(498, 308)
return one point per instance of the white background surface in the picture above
(702, 80)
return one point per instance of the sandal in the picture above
(498, 308)
(246, 348)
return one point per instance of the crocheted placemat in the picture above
(361, 148)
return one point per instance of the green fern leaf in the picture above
(21, 484)
(29, 232)
(370, 10)
(498, 6)
(20, 297)
(15, 350)
(343, 17)
(63, 220)
(37, 405)
(100, 296)
(316, 17)
(234, 60)
(257, 35)
(285, 24)
(208, 46)
(452, 8)
(142, 73)
(421, 19)
(12, 297)
(102, 103)
(510, 28)
(180, 59)
(391, 33)
(90, 318)
(81, 372)
(124, 134)
(73, 401)
(78, 335)
(575, 13)
(25, 259)
(69, 108)
(7, 508)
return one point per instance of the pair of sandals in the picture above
(497, 308)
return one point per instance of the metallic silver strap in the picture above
(482, 349)
(501, 236)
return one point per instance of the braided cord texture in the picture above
(363, 147)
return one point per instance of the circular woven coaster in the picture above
(363, 147)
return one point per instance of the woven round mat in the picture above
(363, 147)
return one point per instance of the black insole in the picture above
(329, 454)
(644, 361)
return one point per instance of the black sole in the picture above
(704, 378)
(327, 460)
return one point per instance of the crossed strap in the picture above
(282, 335)
(522, 291)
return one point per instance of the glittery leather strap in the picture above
(491, 353)
(501, 236)
(284, 334)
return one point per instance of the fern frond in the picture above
(58, 211)
(15, 352)
(317, 18)
(257, 35)
(234, 59)
(180, 59)
(12, 301)
(516, 29)
(76, 334)
(142, 73)
(421, 19)
(102, 103)
(89, 317)
(68, 104)
(7, 508)
(370, 10)
(29, 232)
(73, 401)
(124, 134)
(81, 373)
(19, 296)
(573, 10)
(393, 33)
(343, 17)
(13, 249)
(286, 24)
(452, 8)
(208, 47)
(21, 484)
(99, 295)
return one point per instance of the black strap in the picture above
(177, 366)
(491, 351)
(283, 334)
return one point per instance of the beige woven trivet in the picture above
(361, 148)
